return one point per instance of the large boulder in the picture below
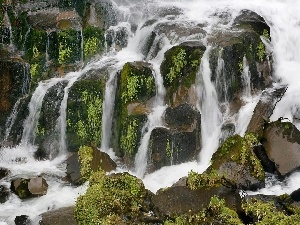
(281, 141)
(62, 216)
(180, 200)
(99, 160)
(37, 186)
(236, 163)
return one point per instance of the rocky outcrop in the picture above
(27, 188)
(22, 220)
(282, 145)
(62, 216)
(264, 108)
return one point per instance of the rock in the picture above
(37, 186)
(43, 19)
(100, 160)
(236, 163)
(267, 164)
(62, 216)
(180, 200)
(295, 195)
(27, 188)
(68, 20)
(3, 172)
(264, 108)
(282, 145)
(182, 118)
(22, 220)
(4, 194)
(20, 188)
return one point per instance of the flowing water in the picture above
(283, 18)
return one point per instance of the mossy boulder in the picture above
(281, 141)
(114, 199)
(135, 86)
(234, 164)
(84, 113)
(81, 164)
(180, 66)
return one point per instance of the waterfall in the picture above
(63, 112)
(155, 117)
(35, 105)
(211, 117)
(11, 119)
(108, 107)
(246, 79)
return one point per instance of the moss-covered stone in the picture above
(93, 38)
(180, 66)
(234, 165)
(84, 114)
(215, 213)
(114, 199)
(135, 85)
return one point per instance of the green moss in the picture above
(216, 213)
(168, 149)
(129, 136)
(85, 154)
(240, 150)
(110, 199)
(84, 115)
(93, 41)
(266, 213)
(69, 47)
(196, 181)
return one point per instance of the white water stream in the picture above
(283, 16)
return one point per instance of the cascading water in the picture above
(211, 117)
(282, 16)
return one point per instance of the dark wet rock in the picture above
(14, 84)
(4, 194)
(182, 118)
(264, 108)
(169, 147)
(181, 182)
(253, 20)
(20, 187)
(3, 172)
(267, 164)
(179, 200)
(100, 160)
(68, 20)
(37, 186)
(281, 141)
(295, 195)
(22, 220)
(62, 216)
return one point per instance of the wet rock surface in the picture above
(31, 187)
(62, 216)
(282, 145)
